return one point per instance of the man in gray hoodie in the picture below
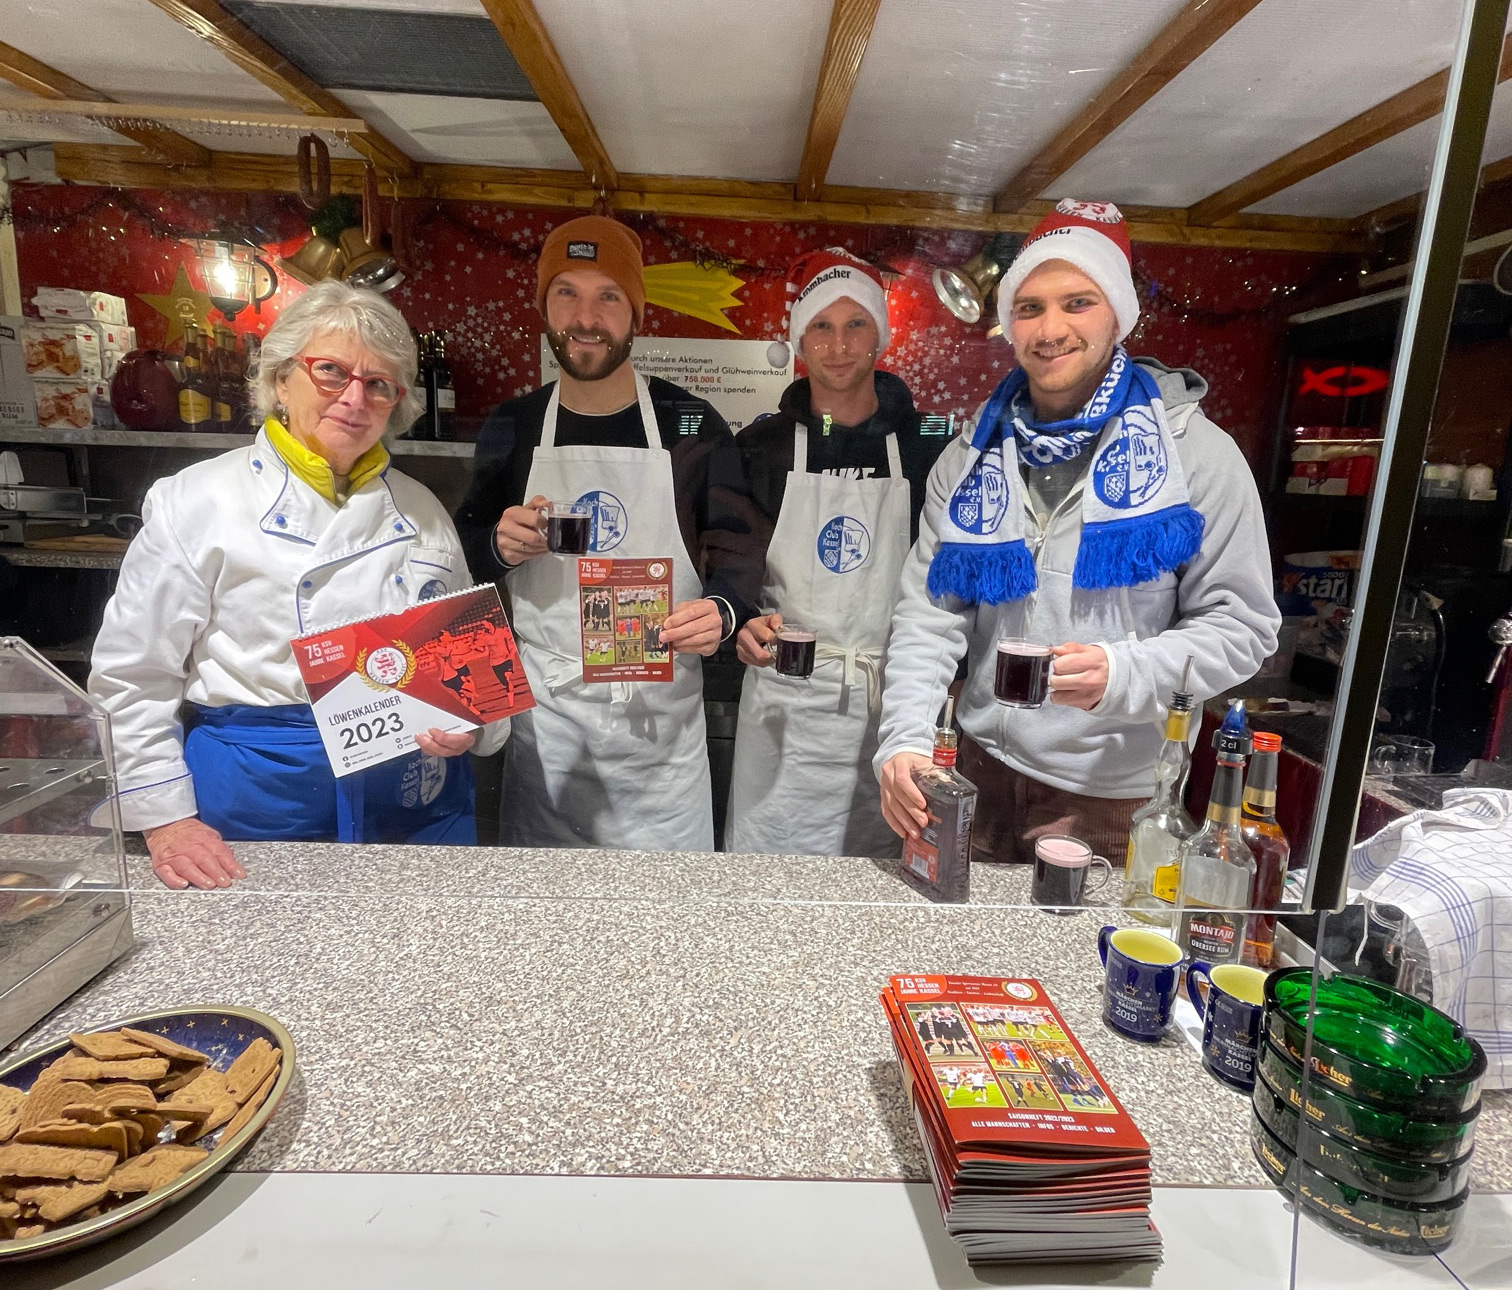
(1096, 511)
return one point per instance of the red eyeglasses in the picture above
(330, 377)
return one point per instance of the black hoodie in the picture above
(766, 446)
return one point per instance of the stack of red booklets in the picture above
(1033, 1159)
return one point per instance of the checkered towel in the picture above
(1450, 871)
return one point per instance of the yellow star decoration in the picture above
(183, 303)
(700, 293)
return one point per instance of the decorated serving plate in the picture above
(222, 1034)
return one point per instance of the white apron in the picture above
(617, 764)
(803, 782)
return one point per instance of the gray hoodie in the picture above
(1219, 609)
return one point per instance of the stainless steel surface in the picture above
(52, 981)
(26, 783)
(33, 499)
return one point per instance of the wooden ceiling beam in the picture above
(25, 72)
(523, 31)
(1414, 105)
(850, 30)
(249, 51)
(672, 195)
(1180, 43)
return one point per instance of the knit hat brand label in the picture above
(582, 250)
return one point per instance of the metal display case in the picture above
(65, 913)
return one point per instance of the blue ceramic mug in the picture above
(1232, 1009)
(1142, 972)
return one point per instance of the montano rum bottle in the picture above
(1268, 843)
(1217, 868)
(938, 862)
(1151, 872)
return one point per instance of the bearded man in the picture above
(626, 764)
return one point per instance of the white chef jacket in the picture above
(237, 556)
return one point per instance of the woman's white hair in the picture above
(352, 311)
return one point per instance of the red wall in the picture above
(1220, 311)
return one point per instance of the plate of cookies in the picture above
(100, 1131)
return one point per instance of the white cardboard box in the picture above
(80, 306)
(60, 350)
(17, 403)
(65, 404)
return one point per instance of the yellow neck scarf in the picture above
(316, 471)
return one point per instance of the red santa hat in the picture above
(1093, 237)
(820, 278)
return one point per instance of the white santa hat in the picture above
(820, 278)
(1093, 237)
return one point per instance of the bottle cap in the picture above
(1267, 742)
(1232, 738)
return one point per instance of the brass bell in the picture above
(965, 290)
(366, 265)
(317, 260)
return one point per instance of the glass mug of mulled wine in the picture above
(1023, 673)
(569, 527)
(1061, 866)
(792, 650)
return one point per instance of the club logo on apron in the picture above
(424, 778)
(610, 520)
(435, 587)
(844, 544)
(979, 504)
(1131, 472)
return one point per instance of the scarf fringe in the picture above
(1123, 553)
(982, 574)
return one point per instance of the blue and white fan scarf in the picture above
(1137, 522)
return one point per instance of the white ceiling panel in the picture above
(470, 8)
(474, 132)
(1392, 169)
(1290, 71)
(131, 50)
(690, 87)
(955, 95)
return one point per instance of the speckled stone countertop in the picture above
(479, 1010)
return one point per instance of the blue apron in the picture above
(261, 775)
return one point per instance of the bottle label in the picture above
(194, 407)
(1167, 881)
(446, 400)
(1215, 938)
(921, 856)
(223, 413)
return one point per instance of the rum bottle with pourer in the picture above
(938, 861)
(1268, 843)
(1152, 871)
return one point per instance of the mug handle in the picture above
(1199, 999)
(1102, 943)
(1107, 868)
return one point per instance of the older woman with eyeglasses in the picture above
(306, 528)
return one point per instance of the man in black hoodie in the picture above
(838, 474)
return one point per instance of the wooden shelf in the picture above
(97, 438)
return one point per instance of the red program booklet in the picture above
(623, 604)
(450, 663)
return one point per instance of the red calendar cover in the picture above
(623, 605)
(450, 664)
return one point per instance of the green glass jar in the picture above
(1382, 1132)
(1343, 1162)
(1376, 1044)
(1398, 1227)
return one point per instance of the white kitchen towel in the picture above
(1450, 871)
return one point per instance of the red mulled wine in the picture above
(1023, 673)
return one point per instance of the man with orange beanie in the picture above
(622, 765)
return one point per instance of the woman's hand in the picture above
(441, 743)
(751, 644)
(518, 537)
(189, 852)
(694, 627)
(903, 806)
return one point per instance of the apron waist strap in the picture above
(867, 661)
(277, 723)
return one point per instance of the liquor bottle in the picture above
(223, 380)
(195, 409)
(1161, 825)
(1268, 843)
(420, 428)
(1217, 869)
(938, 861)
(251, 356)
(441, 395)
